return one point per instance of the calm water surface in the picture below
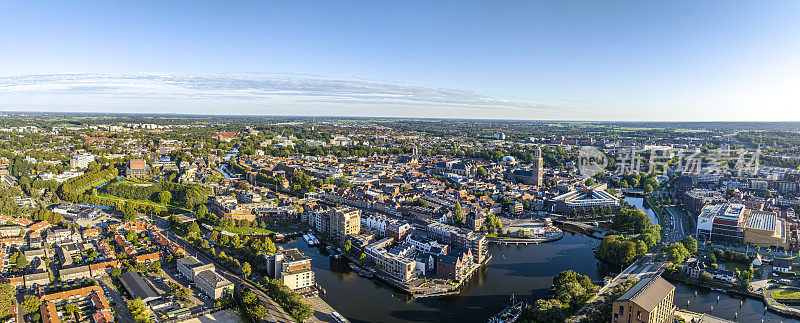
(525, 271)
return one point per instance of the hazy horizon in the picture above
(572, 61)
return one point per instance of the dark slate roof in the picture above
(448, 259)
(782, 262)
(138, 287)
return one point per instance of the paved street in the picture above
(121, 313)
(275, 314)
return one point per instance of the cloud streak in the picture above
(259, 88)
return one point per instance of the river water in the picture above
(638, 202)
(525, 271)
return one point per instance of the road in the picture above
(676, 230)
(121, 313)
(275, 312)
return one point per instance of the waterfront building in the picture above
(581, 200)
(459, 238)
(453, 265)
(650, 300)
(344, 221)
(732, 222)
(394, 265)
(293, 267)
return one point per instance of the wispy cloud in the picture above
(249, 87)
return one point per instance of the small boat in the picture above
(511, 313)
(362, 272)
(310, 239)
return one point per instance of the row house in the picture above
(63, 236)
(74, 273)
(124, 244)
(103, 268)
(36, 280)
(36, 229)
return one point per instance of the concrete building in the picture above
(459, 238)
(650, 300)
(722, 222)
(696, 199)
(293, 267)
(189, 267)
(344, 221)
(213, 285)
(397, 266)
(765, 229)
(81, 161)
(583, 200)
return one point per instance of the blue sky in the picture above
(573, 60)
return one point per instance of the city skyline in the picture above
(628, 61)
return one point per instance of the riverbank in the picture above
(420, 287)
(764, 297)
(525, 241)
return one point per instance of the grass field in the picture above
(168, 207)
(243, 230)
(786, 294)
(732, 266)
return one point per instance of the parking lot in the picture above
(197, 302)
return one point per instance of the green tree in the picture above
(690, 244)
(458, 214)
(246, 270)
(347, 245)
(141, 313)
(641, 248)
(31, 303)
(677, 253)
(164, 197)
(627, 252)
(544, 311)
(22, 261)
(6, 298)
(481, 172)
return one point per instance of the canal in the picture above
(638, 202)
(524, 271)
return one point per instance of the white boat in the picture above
(310, 239)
